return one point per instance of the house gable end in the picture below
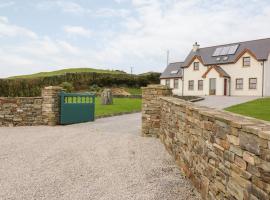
(218, 69)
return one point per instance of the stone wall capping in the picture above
(225, 155)
(264, 134)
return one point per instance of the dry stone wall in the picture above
(151, 108)
(31, 111)
(20, 111)
(226, 156)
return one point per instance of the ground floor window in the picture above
(200, 84)
(239, 84)
(167, 82)
(190, 85)
(176, 83)
(253, 83)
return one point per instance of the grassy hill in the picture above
(64, 71)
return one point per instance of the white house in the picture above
(238, 69)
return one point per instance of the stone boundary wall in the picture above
(31, 111)
(21, 111)
(151, 108)
(225, 155)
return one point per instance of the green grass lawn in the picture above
(134, 91)
(63, 71)
(259, 109)
(120, 105)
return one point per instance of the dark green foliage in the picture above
(67, 86)
(80, 81)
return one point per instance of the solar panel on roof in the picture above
(225, 51)
(233, 49)
(217, 51)
(228, 50)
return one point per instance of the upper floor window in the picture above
(200, 84)
(190, 85)
(253, 83)
(196, 66)
(176, 83)
(246, 62)
(167, 82)
(239, 84)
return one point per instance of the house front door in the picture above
(212, 86)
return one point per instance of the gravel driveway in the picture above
(106, 159)
(221, 102)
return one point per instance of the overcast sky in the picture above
(44, 35)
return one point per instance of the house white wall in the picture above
(195, 75)
(267, 77)
(176, 91)
(237, 70)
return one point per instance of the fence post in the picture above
(151, 108)
(51, 105)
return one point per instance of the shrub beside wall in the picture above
(226, 156)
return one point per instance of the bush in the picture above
(79, 81)
(67, 86)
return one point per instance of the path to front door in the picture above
(105, 159)
(221, 102)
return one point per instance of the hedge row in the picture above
(80, 81)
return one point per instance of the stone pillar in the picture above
(51, 105)
(151, 108)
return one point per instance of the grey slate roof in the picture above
(172, 67)
(260, 48)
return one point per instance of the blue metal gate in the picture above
(76, 108)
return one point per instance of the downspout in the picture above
(183, 82)
(263, 79)
(230, 87)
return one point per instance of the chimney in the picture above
(196, 47)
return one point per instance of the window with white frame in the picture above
(190, 85)
(176, 84)
(239, 82)
(200, 84)
(246, 61)
(196, 66)
(167, 83)
(253, 83)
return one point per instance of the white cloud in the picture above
(65, 6)
(176, 25)
(9, 30)
(77, 31)
(142, 39)
(109, 12)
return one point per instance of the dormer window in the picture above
(174, 71)
(196, 66)
(225, 58)
(246, 62)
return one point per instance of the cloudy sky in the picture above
(44, 35)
